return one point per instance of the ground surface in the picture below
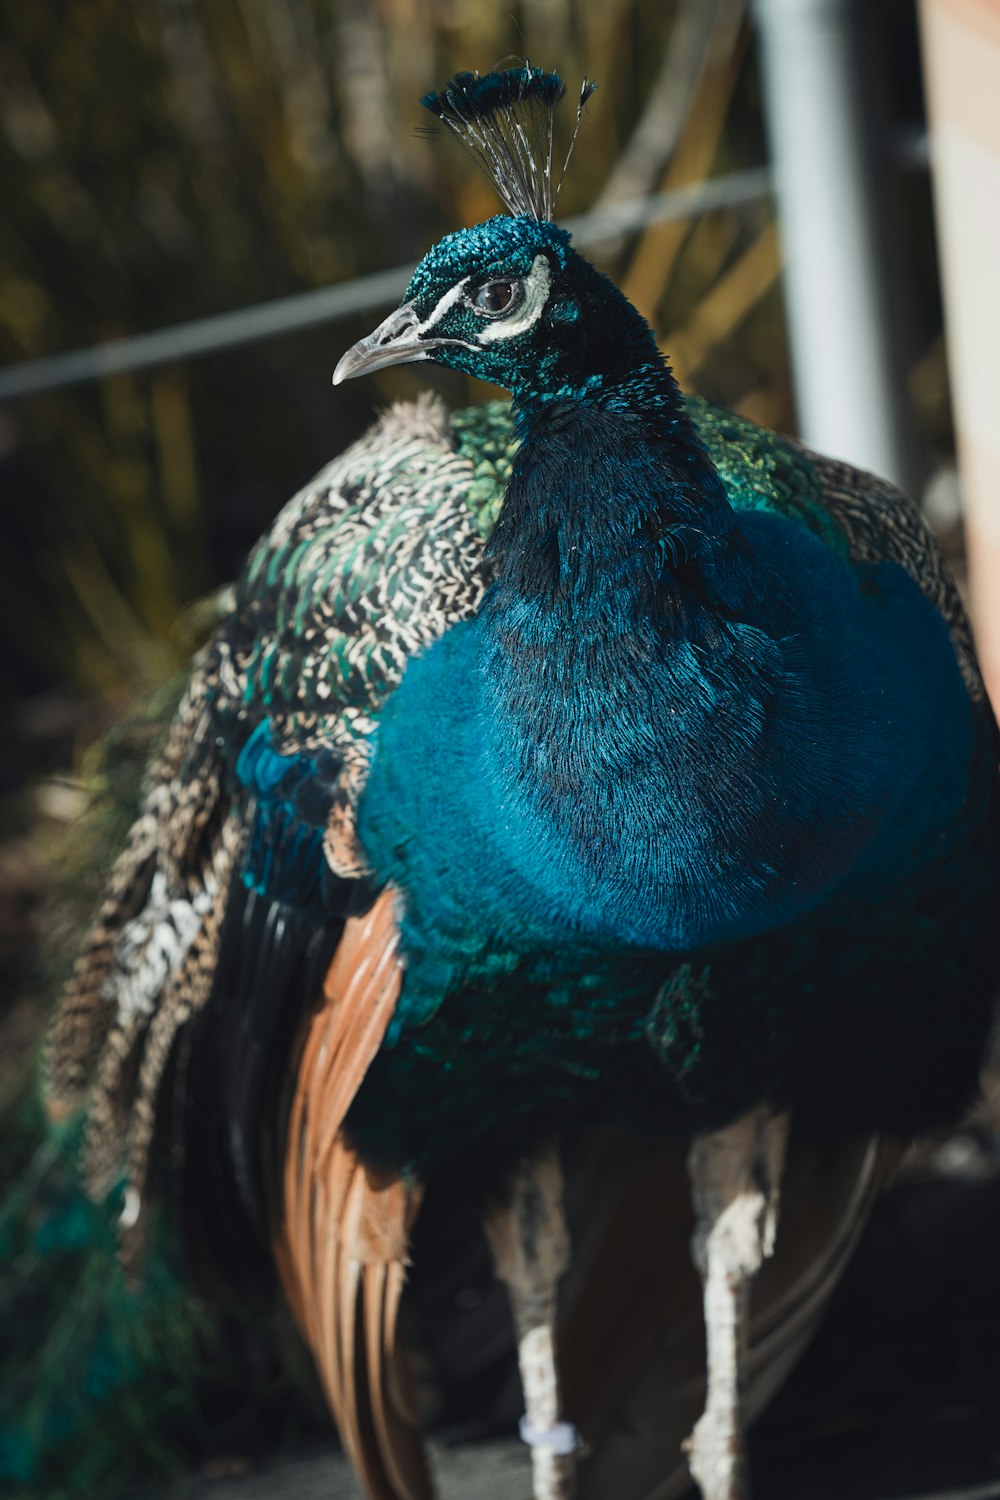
(898, 1398)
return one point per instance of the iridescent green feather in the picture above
(763, 472)
(485, 436)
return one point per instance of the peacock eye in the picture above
(496, 297)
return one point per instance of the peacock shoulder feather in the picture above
(371, 561)
(865, 517)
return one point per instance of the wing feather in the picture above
(344, 1230)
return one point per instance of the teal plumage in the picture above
(668, 733)
(785, 1001)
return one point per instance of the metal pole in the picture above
(836, 285)
(962, 64)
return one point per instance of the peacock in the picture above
(596, 766)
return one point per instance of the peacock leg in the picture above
(735, 1178)
(530, 1246)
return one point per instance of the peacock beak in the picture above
(396, 341)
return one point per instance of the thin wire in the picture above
(911, 151)
(348, 299)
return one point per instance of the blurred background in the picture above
(187, 158)
(180, 160)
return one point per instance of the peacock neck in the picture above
(615, 525)
(611, 648)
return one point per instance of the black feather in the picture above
(504, 119)
(271, 963)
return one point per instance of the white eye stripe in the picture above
(451, 296)
(536, 291)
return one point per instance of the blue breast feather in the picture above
(774, 915)
(752, 785)
(757, 780)
(750, 873)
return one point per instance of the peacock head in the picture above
(510, 301)
(495, 301)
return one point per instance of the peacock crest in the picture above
(506, 121)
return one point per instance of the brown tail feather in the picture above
(342, 1241)
(395, 1428)
(394, 1361)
